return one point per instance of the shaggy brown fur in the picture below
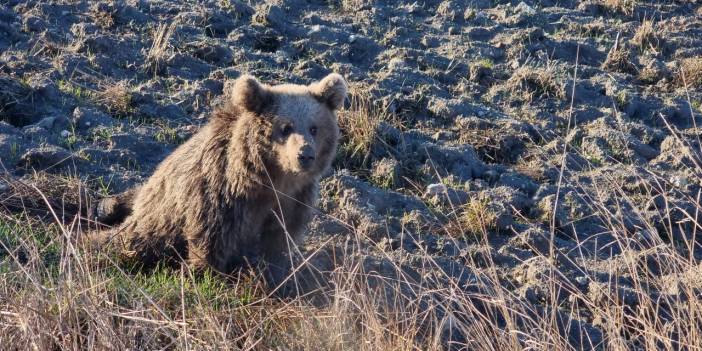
(243, 184)
(114, 209)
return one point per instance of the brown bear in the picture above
(240, 187)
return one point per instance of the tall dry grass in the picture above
(55, 295)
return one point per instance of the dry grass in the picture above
(351, 6)
(64, 195)
(477, 217)
(691, 72)
(620, 6)
(646, 37)
(116, 98)
(359, 125)
(54, 295)
(160, 48)
(529, 83)
(619, 58)
(103, 15)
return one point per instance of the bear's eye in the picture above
(287, 130)
(313, 130)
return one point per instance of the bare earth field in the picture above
(511, 175)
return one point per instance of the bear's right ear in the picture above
(249, 94)
(330, 90)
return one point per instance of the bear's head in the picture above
(303, 128)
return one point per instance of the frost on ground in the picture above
(512, 174)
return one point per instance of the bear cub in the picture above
(240, 188)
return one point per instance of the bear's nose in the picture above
(305, 161)
(306, 157)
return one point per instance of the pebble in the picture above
(582, 280)
(525, 9)
(436, 189)
(679, 181)
(315, 29)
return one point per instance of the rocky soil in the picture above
(544, 153)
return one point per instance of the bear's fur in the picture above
(245, 183)
(113, 209)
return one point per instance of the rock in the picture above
(186, 67)
(53, 123)
(220, 24)
(525, 9)
(459, 161)
(85, 118)
(46, 157)
(534, 239)
(435, 189)
(273, 16)
(214, 54)
(518, 181)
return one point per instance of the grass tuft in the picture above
(646, 37)
(532, 83)
(160, 48)
(691, 72)
(478, 218)
(116, 98)
(359, 127)
(625, 7)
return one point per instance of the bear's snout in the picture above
(306, 157)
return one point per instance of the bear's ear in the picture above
(331, 90)
(249, 94)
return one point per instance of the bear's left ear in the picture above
(331, 90)
(249, 94)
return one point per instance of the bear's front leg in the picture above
(284, 229)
